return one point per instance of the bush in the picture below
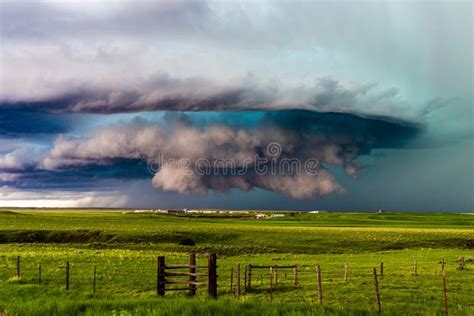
(187, 242)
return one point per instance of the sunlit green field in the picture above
(124, 247)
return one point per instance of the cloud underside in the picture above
(163, 93)
(240, 157)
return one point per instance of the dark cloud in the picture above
(368, 132)
(27, 122)
(90, 177)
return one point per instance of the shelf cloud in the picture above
(110, 96)
(239, 157)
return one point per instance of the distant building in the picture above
(261, 216)
(381, 210)
(193, 211)
(160, 211)
(314, 212)
(278, 215)
(142, 211)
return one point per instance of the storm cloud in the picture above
(95, 95)
(301, 136)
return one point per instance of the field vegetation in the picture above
(123, 247)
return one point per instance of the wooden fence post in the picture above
(237, 288)
(249, 277)
(18, 268)
(415, 268)
(67, 275)
(94, 282)
(192, 270)
(445, 294)
(295, 275)
(39, 273)
(231, 279)
(381, 270)
(377, 292)
(245, 277)
(442, 264)
(160, 276)
(320, 288)
(212, 275)
(346, 272)
(271, 283)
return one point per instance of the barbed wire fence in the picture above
(138, 275)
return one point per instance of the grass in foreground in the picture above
(126, 263)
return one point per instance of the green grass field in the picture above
(124, 248)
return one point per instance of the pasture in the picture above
(123, 248)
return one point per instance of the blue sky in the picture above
(378, 93)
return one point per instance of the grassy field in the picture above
(124, 247)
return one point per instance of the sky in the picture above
(297, 105)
